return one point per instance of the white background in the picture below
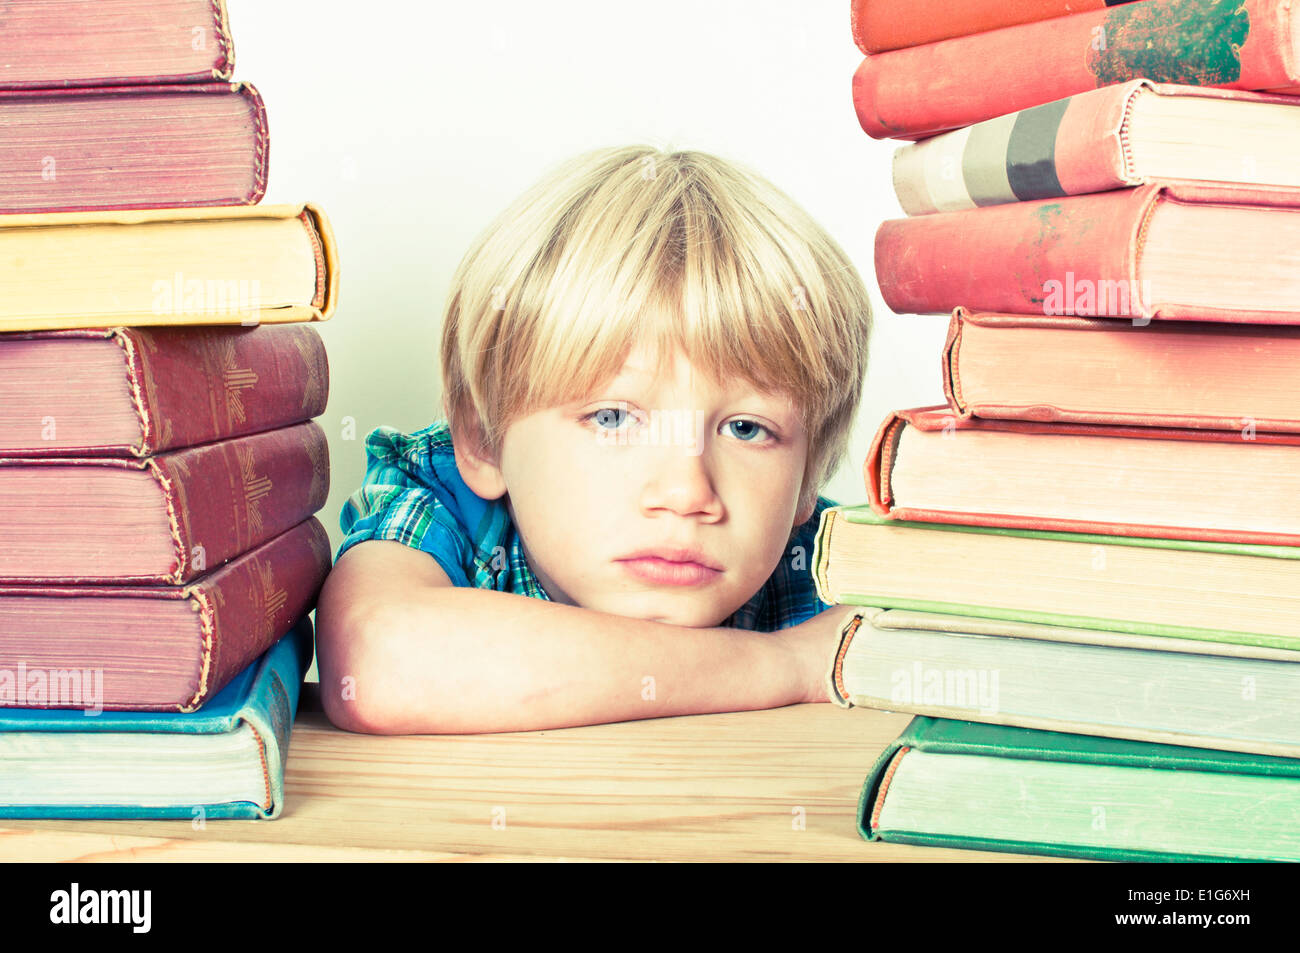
(413, 124)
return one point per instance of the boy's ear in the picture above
(478, 468)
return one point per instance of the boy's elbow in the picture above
(360, 635)
(356, 689)
(382, 670)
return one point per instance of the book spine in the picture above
(132, 147)
(876, 785)
(79, 43)
(897, 24)
(1067, 147)
(1034, 257)
(251, 604)
(821, 554)
(880, 462)
(917, 92)
(226, 498)
(196, 385)
(836, 689)
(272, 704)
(951, 361)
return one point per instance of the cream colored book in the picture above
(1235, 593)
(241, 265)
(1112, 684)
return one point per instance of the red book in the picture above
(142, 391)
(113, 42)
(128, 147)
(929, 466)
(1182, 374)
(163, 519)
(1231, 44)
(1168, 252)
(880, 25)
(156, 648)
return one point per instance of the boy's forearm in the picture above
(470, 660)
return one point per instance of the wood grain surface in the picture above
(772, 785)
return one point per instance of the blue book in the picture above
(224, 760)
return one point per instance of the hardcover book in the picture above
(880, 25)
(114, 42)
(158, 520)
(973, 786)
(1206, 591)
(1111, 371)
(225, 761)
(156, 648)
(926, 465)
(1115, 137)
(1230, 44)
(132, 147)
(135, 392)
(244, 265)
(1057, 678)
(1169, 252)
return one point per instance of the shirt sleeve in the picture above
(401, 501)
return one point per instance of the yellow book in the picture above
(246, 265)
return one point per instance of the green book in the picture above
(1207, 591)
(945, 783)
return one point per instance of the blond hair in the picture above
(626, 246)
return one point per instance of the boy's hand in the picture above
(813, 643)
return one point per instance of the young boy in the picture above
(651, 362)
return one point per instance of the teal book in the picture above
(225, 760)
(947, 783)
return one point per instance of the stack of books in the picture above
(159, 463)
(1082, 573)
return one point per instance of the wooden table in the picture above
(763, 785)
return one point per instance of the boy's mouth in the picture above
(672, 567)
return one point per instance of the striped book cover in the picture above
(1109, 138)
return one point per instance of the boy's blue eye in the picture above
(610, 418)
(749, 429)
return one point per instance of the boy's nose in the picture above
(680, 481)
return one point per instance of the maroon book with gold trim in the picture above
(141, 391)
(164, 519)
(132, 147)
(113, 42)
(156, 648)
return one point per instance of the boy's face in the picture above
(669, 464)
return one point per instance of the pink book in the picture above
(140, 391)
(163, 519)
(1178, 251)
(156, 648)
(126, 147)
(1235, 377)
(928, 466)
(1232, 44)
(113, 42)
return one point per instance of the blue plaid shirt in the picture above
(413, 494)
